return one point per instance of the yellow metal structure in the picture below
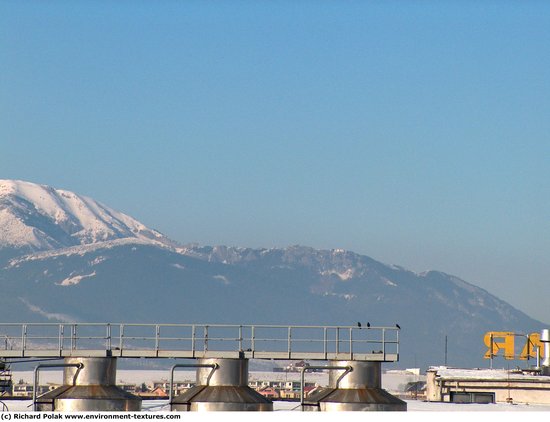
(504, 343)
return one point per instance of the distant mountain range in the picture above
(65, 257)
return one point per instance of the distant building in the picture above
(486, 386)
(289, 395)
(26, 390)
(157, 393)
(179, 387)
(269, 392)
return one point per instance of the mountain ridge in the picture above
(139, 275)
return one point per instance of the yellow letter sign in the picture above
(502, 341)
(531, 345)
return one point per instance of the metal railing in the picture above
(200, 340)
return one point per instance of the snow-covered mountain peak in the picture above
(40, 217)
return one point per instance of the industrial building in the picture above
(456, 385)
(486, 386)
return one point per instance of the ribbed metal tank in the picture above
(90, 388)
(222, 389)
(357, 390)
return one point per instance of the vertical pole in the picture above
(289, 341)
(397, 343)
(384, 342)
(60, 338)
(351, 343)
(157, 337)
(302, 382)
(446, 350)
(35, 388)
(193, 339)
(121, 337)
(240, 338)
(253, 340)
(73, 337)
(109, 342)
(325, 341)
(205, 345)
(24, 338)
(337, 341)
(491, 351)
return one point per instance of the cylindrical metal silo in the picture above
(223, 387)
(359, 389)
(92, 387)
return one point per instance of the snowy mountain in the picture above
(37, 217)
(69, 258)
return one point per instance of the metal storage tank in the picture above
(223, 387)
(92, 387)
(359, 389)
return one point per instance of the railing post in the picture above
(351, 343)
(193, 339)
(73, 337)
(121, 339)
(398, 345)
(61, 329)
(240, 338)
(289, 341)
(253, 341)
(23, 338)
(205, 346)
(337, 340)
(325, 341)
(109, 343)
(384, 342)
(157, 338)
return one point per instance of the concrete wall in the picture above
(518, 391)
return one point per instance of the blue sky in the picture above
(415, 132)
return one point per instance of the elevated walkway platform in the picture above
(199, 341)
